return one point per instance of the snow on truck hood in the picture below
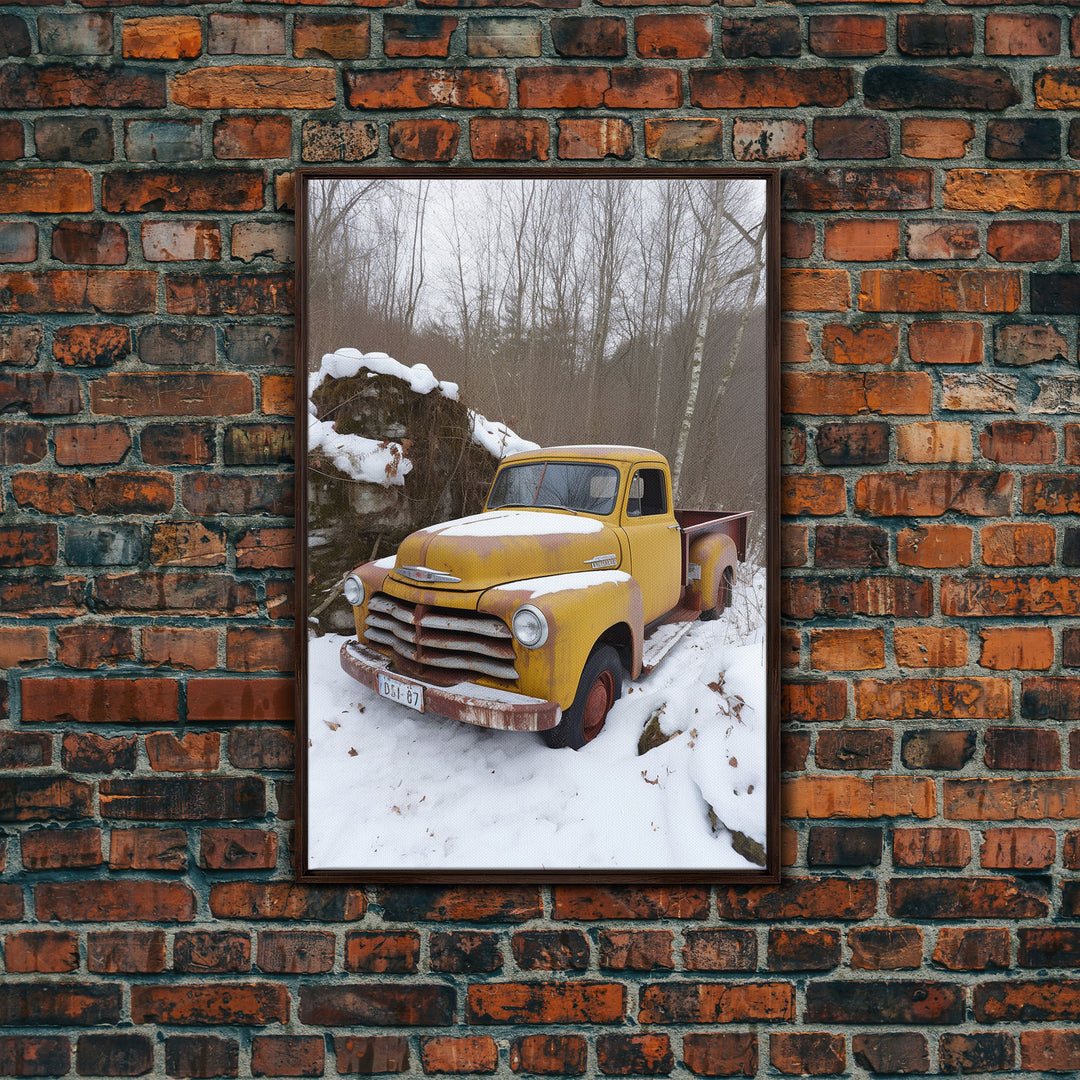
(507, 545)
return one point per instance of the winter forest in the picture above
(575, 310)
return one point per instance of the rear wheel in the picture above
(723, 597)
(599, 688)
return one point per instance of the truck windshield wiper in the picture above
(556, 506)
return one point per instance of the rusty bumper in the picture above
(466, 702)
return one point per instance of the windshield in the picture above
(565, 485)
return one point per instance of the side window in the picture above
(648, 494)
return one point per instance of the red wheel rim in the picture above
(601, 698)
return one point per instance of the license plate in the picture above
(408, 694)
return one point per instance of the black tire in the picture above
(599, 687)
(723, 597)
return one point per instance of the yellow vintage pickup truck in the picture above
(525, 617)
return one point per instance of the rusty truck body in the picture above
(529, 615)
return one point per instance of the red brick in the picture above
(807, 1053)
(815, 290)
(382, 952)
(546, 1003)
(371, 1004)
(46, 191)
(866, 343)
(769, 87)
(91, 444)
(1019, 345)
(933, 493)
(851, 393)
(44, 951)
(1029, 648)
(799, 898)
(114, 901)
(236, 1004)
(850, 797)
(934, 546)
(11, 149)
(89, 243)
(229, 294)
(847, 35)
(1023, 798)
(464, 951)
(287, 1055)
(1019, 749)
(1019, 443)
(946, 342)
(666, 37)
(804, 950)
(684, 140)
(188, 394)
(195, 752)
(134, 951)
(885, 948)
(261, 748)
(162, 37)
(369, 1054)
(594, 138)
(942, 240)
(910, 290)
(1008, 189)
(265, 547)
(508, 139)
(721, 1053)
(622, 902)
(642, 1054)
(253, 87)
(115, 292)
(861, 240)
(238, 849)
(869, 1003)
(575, 36)
(549, 1055)
(34, 1055)
(695, 1003)
(934, 441)
(1022, 35)
(813, 494)
(935, 139)
(201, 1056)
(148, 849)
(972, 949)
(334, 36)
(201, 951)
(421, 88)
(285, 900)
(1018, 545)
(847, 649)
(955, 698)
(418, 139)
(180, 648)
(851, 137)
(794, 545)
(99, 700)
(854, 748)
(22, 443)
(1017, 849)
(822, 700)
(796, 242)
(306, 952)
(92, 646)
(876, 189)
(1023, 241)
(253, 137)
(635, 950)
(720, 950)
(460, 1054)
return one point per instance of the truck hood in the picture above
(508, 545)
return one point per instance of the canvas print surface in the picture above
(539, 547)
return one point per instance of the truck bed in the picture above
(695, 523)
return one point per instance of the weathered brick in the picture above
(853, 1001)
(549, 1055)
(902, 1052)
(1008, 189)
(162, 37)
(1022, 35)
(419, 88)
(696, 1003)
(984, 1051)
(851, 393)
(1013, 648)
(635, 950)
(509, 139)
(931, 847)
(252, 1004)
(1023, 140)
(921, 137)
(850, 845)
(1027, 999)
(799, 898)
(803, 950)
(954, 697)
(303, 952)
(201, 1057)
(463, 950)
(807, 1053)
(851, 137)
(582, 37)
(935, 35)
(774, 36)
(769, 87)
(684, 140)
(942, 240)
(287, 1055)
(720, 950)
(890, 86)
(253, 87)
(721, 1053)
(853, 443)
(460, 1054)
(929, 749)
(972, 949)
(496, 36)
(53, 86)
(369, 1054)
(285, 900)
(349, 1004)
(861, 240)
(666, 37)
(249, 137)
(238, 849)
(847, 35)
(56, 1004)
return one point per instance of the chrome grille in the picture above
(441, 637)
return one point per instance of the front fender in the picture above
(580, 609)
(372, 574)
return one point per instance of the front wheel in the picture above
(599, 688)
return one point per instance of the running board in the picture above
(660, 642)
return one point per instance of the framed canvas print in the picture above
(538, 454)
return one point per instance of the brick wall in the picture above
(928, 921)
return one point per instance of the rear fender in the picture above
(580, 609)
(711, 555)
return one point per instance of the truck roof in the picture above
(615, 454)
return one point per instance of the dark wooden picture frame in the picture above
(508, 281)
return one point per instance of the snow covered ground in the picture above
(391, 788)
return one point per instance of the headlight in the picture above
(529, 626)
(354, 590)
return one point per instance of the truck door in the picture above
(654, 541)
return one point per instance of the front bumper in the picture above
(466, 702)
